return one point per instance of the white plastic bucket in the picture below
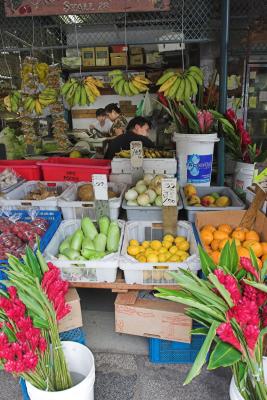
(195, 156)
(80, 361)
(244, 175)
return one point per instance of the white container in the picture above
(16, 198)
(138, 213)
(73, 209)
(244, 174)
(104, 270)
(167, 166)
(155, 273)
(194, 154)
(80, 362)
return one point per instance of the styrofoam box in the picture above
(236, 203)
(150, 165)
(73, 209)
(138, 213)
(104, 270)
(16, 198)
(250, 196)
(155, 273)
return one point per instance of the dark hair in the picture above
(112, 107)
(141, 121)
(100, 112)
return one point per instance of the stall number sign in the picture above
(136, 154)
(169, 192)
(100, 186)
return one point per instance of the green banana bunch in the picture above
(181, 85)
(81, 92)
(125, 86)
(12, 101)
(47, 97)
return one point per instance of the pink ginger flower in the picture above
(251, 333)
(12, 291)
(247, 265)
(226, 334)
(231, 115)
(230, 284)
(264, 316)
(205, 121)
(254, 294)
(42, 345)
(245, 312)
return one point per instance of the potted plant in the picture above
(231, 305)
(30, 346)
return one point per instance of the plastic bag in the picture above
(147, 109)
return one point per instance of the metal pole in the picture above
(225, 11)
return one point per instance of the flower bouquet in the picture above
(231, 305)
(34, 301)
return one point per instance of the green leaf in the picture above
(207, 264)
(223, 355)
(33, 263)
(264, 270)
(240, 274)
(254, 260)
(225, 257)
(200, 331)
(260, 286)
(202, 355)
(10, 334)
(234, 257)
(39, 322)
(221, 289)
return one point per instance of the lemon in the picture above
(152, 258)
(184, 257)
(174, 258)
(133, 250)
(155, 244)
(173, 249)
(167, 244)
(169, 238)
(146, 244)
(162, 257)
(179, 239)
(162, 250)
(141, 258)
(183, 246)
(148, 251)
(134, 242)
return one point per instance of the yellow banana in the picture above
(141, 79)
(83, 99)
(38, 107)
(140, 86)
(173, 89)
(180, 91)
(89, 94)
(165, 77)
(133, 89)
(168, 84)
(93, 88)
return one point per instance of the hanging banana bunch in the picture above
(81, 92)
(12, 101)
(41, 70)
(125, 86)
(181, 85)
(37, 103)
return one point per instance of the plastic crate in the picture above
(155, 273)
(27, 169)
(104, 270)
(16, 198)
(73, 169)
(168, 352)
(166, 166)
(236, 203)
(73, 209)
(54, 217)
(75, 335)
(153, 213)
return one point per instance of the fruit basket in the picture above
(72, 208)
(26, 195)
(155, 272)
(210, 196)
(104, 270)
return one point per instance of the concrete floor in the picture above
(123, 371)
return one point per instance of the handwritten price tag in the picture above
(100, 186)
(169, 192)
(136, 154)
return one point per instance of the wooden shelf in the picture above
(112, 67)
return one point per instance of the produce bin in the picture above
(104, 270)
(16, 198)
(167, 166)
(27, 169)
(169, 352)
(138, 213)
(236, 203)
(73, 169)
(73, 209)
(155, 273)
(54, 218)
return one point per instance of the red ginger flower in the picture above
(231, 115)
(226, 334)
(245, 312)
(230, 284)
(247, 265)
(251, 333)
(254, 294)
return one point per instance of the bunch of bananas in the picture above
(12, 101)
(147, 153)
(41, 70)
(125, 86)
(39, 102)
(81, 92)
(181, 86)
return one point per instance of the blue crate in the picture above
(74, 335)
(168, 352)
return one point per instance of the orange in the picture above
(264, 247)
(255, 246)
(206, 236)
(242, 252)
(252, 235)
(239, 234)
(248, 243)
(209, 228)
(260, 264)
(220, 235)
(215, 255)
(215, 244)
(240, 228)
(207, 249)
(225, 228)
(223, 243)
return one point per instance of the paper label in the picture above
(169, 192)
(263, 95)
(136, 154)
(252, 74)
(100, 186)
(252, 103)
(199, 168)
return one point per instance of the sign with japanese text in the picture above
(169, 192)
(136, 154)
(100, 186)
(23, 8)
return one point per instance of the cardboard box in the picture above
(119, 48)
(73, 52)
(151, 318)
(74, 318)
(136, 50)
(71, 62)
(88, 57)
(152, 58)
(137, 59)
(118, 59)
(102, 56)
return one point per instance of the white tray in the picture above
(104, 270)
(167, 166)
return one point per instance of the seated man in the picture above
(103, 123)
(137, 130)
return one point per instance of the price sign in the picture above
(100, 186)
(136, 154)
(169, 192)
